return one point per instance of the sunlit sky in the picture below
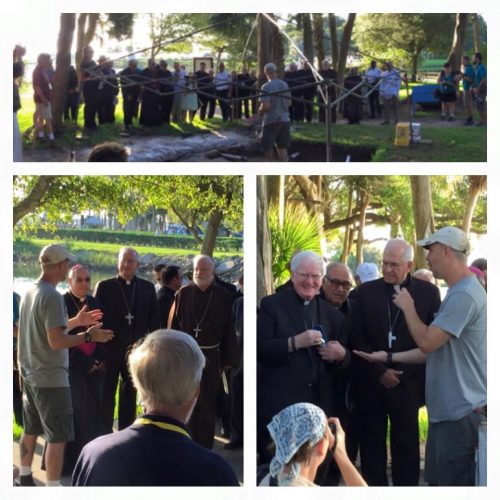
(37, 37)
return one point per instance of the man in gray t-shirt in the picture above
(274, 104)
(43, 362)
(454, 345)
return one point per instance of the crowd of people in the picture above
(166, 348)
(372, 356)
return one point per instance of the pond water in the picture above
(25, 275)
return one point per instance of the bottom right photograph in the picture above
(371, 330)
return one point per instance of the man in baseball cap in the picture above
(454, 348)
(43, 360)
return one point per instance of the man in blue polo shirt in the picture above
(479, 88)
(467, 74)
(157, 450)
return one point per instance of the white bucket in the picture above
(415, 132)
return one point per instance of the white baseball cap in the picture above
(452, 237)
(53, 254)
(367, 271)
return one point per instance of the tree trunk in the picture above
(190, 227)
(414, 66)
(422, 214)
(476, 32)
(364, 202)
(208, 246)
(457, 48)
(265, 35)
(63, 62)
(87, 24)
(278, 51)
(318, 38)
(348, 229)
(308, 37)
(334, 44)
(477, 183)
(264, 247)
(33, 199)
(344, 46)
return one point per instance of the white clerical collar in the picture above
(307, 302)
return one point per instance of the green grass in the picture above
(107, 132)
(99, 254)
(449, 144)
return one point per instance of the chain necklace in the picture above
(392, 324)
(197, 330)
(129, 316)
(78, 308)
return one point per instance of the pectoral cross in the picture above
(196, 331)
(129, 318)
(391, 338)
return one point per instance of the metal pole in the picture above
(410, 108)
(328, 119)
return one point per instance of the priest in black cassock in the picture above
(301, 348)
(203, 310)
(131, 312)
(150, 107)
(170, 281)
(86, 369)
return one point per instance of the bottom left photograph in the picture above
(128, 330)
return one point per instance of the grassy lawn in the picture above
(99, 254)
(106, 132)
(448, 143)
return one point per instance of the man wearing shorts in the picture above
(42, 93)
(274, 104)
(43, 360)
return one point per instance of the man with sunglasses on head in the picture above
(301, 341)
(385, 391)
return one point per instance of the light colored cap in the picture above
(367, 271)
(53, 254)
(452, 237)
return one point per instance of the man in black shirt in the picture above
(131, 92)
(90, 79)
(171, 281)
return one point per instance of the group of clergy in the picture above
(132, 308)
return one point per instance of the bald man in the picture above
(131, 312)
(385, 391)
(203, 309)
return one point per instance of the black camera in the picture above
(333, 428)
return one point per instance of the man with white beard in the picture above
(203, 310)
(156, 450)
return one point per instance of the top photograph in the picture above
(266, 87)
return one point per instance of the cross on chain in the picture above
(391, 338)
(196, 331)
(129, 318)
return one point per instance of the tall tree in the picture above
(305, 20)
(344, 45)
(334, 44)
(63, 62)
(476, 32)
(457, 47)
(477, 184)
(265, 285)
(87, 25)
(318, 32)
(422, 213)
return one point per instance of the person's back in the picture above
(278, 111)
(156, 452)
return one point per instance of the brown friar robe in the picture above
(206, 316)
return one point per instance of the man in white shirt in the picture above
(389, 91)
(222, 81)
(373, 76)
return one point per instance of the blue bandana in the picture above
(290, 429)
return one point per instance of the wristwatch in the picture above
(88, 336)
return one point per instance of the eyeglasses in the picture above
(81, 280)
(392, 265)
(346, 285)
(306, 276)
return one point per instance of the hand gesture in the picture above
(308, 339)
(332, 351)
(337, 441)
(390, 378)
(88, 318)
(100, 335)
(402, 299)
(372, 357)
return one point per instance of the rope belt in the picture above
(207, 347)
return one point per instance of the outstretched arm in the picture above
(413, 356)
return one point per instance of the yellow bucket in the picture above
(403, 134)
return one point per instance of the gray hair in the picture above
(307, 255)
(128, 250)
(334, 265)
(270, 67)
(423, 272)
(399, 243)
(203, 257)
(166, 368)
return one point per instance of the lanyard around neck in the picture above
(162, 425)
